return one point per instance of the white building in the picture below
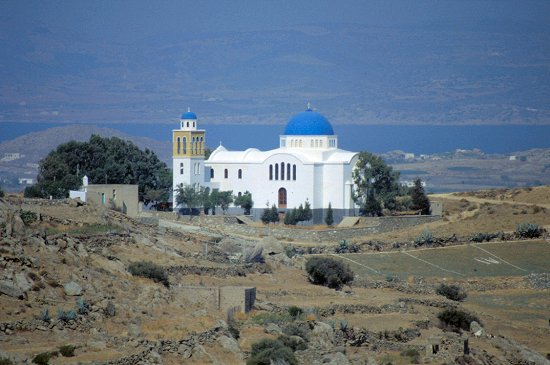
(308, 165)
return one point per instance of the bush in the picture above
(268, 351)
(413, 354)
(1, 196)
(67, 350)
(5, 361)
(457, 319)
(328, 272)
(45, 315)
(83, 306)
(426, 238)
(28, 217)
(528, 230)
(149, 270)
(452, 292)
(110, 310)
(66, 316)
(300, 329)
(44, 358)
(295, 311)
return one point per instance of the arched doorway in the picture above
(282, 198)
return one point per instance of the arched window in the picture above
(316, 143)
(211, 173)
(282, 170)
(282, 198)
(225, 173)
(300, 143)
(321, 143)
(293, 172)
(188, 124)
(288, 171)
(240, 194)
(181, 168)
(270, 172)
(184, 145)
(178, 144)
(193, 124)
(276, 171)
(240, 174)
(311, 143)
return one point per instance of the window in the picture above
(211, 173)
(282, 170)
(188, 124)
(300, 143)
(181, 168)
(240, 174)
(184, 145)
(193, 124)
(293, 172)
(270, 172)
(225, 173)
(276, 171)
(282, 198)
(179, 145)
(288, 171)
(240, 194)
(311, 143)
(114, 194)
(316, 143)
(321, 143)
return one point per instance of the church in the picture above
(308, 165)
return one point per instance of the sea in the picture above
(418, 139)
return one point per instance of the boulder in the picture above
(96, 345)
(322, 335)
(230, 344)
(271, 246)
(476, 329)
(134, 330)
(11, 289)
(22, 282)
(273, 329)
(184, 350)
(72, 288)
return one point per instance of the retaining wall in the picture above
(220, 298)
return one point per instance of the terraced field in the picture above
(515, 258)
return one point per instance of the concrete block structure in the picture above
(223, 298)
(121, 197)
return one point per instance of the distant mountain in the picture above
(430, 73)
(37, 145)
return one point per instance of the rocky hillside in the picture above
(67, 296)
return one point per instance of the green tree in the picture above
(188, 195)
(104, 161)
(270, 215)
(374, 180)
(329, 219)
(419, 199)
(244, 201)
(308, 214)
(156, 196)
(220, 199)
(205, 200)
(289, 218)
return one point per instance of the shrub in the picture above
(45, 315)
(149, 270)
(452, 292)
(5, 361)
(268, 351)
(28, 217)
(528, 230)
(413, 354)
(66, 316)
(328, 272)
(67, 350)
(83, 306)
(299, 329)
(295, 311)
(44, 357)
(234, 331)
(1, 196)
(110, 310)
(425, 238)
(293, 343)
(457, 319)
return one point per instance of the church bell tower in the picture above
(188, 144)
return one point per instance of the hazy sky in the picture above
(402, 61)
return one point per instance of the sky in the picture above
(381, 62)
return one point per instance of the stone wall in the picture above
(220, 298)
(365, 226)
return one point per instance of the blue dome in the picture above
(189, 115)
(308, 123)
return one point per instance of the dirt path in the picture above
(484, 200)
